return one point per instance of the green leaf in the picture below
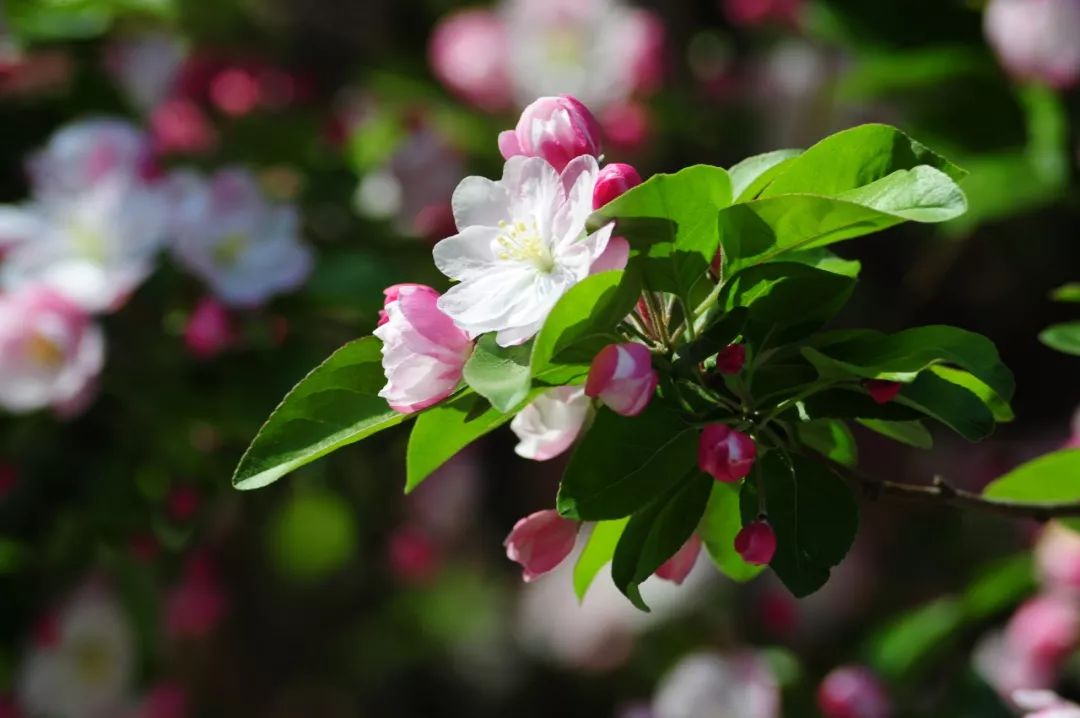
(751, 175)
(1067, 293)
(719, 526)
(1051, 478)
(581, 324)
(915, 636)
(952, 405)
(501, 375)
(842, 403)
(444, 430)
(336, 404)
(902, 356)
(855, 158)
(13, 556)
(814, 516)
(656, 532)
(597, 553)
(670, 221)
(1062, 337)
(785, 300)
(822, 258)
(623, 463)
(998, 407)
(831, 438)
(912, 433)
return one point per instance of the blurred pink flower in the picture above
(1046, 627)
(50, 351)
(1036, 40)
(853, 692)
(165, 700)
(209, 329)
(1044, 704)
(468, 53)
(1057, 558)
(748, 13)
(626, 126)
(195, 606)
(9, 479)
(180, 126)
(235, 91)
(414, 555)
(708, 684)
(182, 503)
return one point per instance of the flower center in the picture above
(522, 243)
(87, 242)
(44, 351)
(93, 661)
(228, 250)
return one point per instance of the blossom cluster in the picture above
(100, 213)
(523, 241)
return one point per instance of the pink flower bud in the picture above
(423, 350)
(209, 329)
(414, 555)
(622, 377)
(725, 454)
(881, 391)
(853, 692)
(614, 257)
(1045, 628)
(555, 128)
(613, 180)
(678, 567)
(540, 542)
(730, 359)
(1036, 39)
(468, 53)
(756, 543)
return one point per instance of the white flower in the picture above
(550, 424)
(229, 235)
(521, 244)
(94, 247)
(708, 684)
(82, 154)
(85, 670)
(50, 352)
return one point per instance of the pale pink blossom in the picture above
(423, 351)
(1044, 704)
(551, 423)
(469, 54)
(229, 234)
(614, 257)
(738, 685)
(540, 542)
(725, 454)
(1046, 627)
(557, 129)
(853, 692)
(1057, 558)
(83, 154)
(1008, 670)
(622, 377)
(1036, 39)
(678, 567)
(50, 350)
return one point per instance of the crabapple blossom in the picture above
(708, 684)
(85, 667)
(724, 453)
(853, 692)
(1057, 559)
(540, 542)
(244, 247)
(1007, 669)
(613, 180)
(468, 53)
(1036, 39)
(756, 543)
(555, 128)
(521, 244)
(614, 257)
(423, 351)
(83, 154)
(1046, 627)
(622, 377)
(678, 567)
(1044, 704)
(50, 350)
(551, 422)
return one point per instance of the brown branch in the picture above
(941, 492)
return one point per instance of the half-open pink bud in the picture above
(423, 351)
(725, 454)
(540, 542)
(853, 692)
(678, 567)
(622, 377)
(613, 180)
(730, 359)
(882, 391)
(555, 128)
(756, 542)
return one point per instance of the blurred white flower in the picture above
(50, 352)
(521, 245)
(228, 234)
(95, 247)
(85, 669)
(1036, 39)
(83, 154)
(715, 686)
(146, 66)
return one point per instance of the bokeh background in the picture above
(134, 581)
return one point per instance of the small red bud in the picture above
(882, 391)
(730, 359)
(756, 543)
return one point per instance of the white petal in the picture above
(479, 201)
(466, 254)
